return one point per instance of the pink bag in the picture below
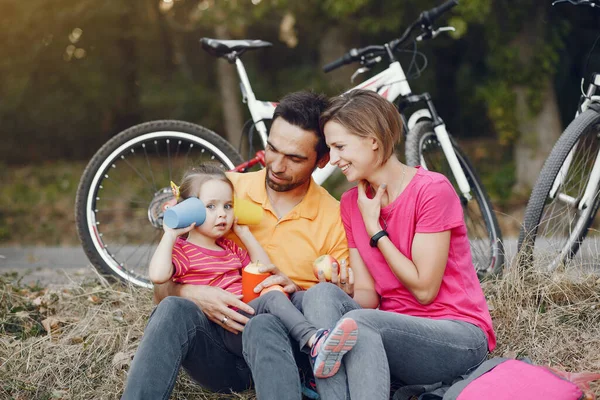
(514, 380)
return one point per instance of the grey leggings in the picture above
(287, 310)
(411, 350)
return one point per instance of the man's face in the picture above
(290, 156)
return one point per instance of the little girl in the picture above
(207, 258)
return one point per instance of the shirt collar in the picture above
(307, 208)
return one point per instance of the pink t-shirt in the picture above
(200, 266)
(428, 204)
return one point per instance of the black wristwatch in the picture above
(375, 238)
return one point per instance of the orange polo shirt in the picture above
(312, 228)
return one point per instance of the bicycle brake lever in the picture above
(575, 2)
(433, 33)
(359, 71)
(367, 64)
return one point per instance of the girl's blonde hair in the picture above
(368, 115)
(194, 178)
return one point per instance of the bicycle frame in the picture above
(390, 84)
(594, 181)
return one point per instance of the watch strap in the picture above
(375, 238)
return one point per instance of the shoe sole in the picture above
(340, 341)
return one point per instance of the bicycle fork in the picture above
(594, 180)
(443, 137)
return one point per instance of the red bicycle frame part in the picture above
(259, 158)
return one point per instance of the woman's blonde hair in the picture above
(194, 178)
(368, 115)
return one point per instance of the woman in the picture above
(410, 257)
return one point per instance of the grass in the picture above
(77, 342)
(36, 204)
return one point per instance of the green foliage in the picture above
(36, 204)
(523, 52)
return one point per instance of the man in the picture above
(301, 222)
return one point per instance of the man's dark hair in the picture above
(303, 109)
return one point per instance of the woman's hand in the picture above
(370, 209)
(344, 278)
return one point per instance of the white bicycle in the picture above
(125, 187)
(566, 196)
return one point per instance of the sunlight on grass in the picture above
(78, 342)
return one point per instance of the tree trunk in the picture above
(537, 130)
(332, 47)
(128, 105)
(537, 136)
(228, 82)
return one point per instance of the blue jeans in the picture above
(410, 350)
(179, 334)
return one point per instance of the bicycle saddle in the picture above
(219, 48)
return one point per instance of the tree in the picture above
(518, 88)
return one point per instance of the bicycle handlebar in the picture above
(345, 59)
(427, 17)
(425, 20)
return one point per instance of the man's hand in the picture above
(215, 304)
(344, 278)
(277, 278)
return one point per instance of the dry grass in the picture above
(552, 319)
(77, 343)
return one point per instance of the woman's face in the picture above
(354, 155)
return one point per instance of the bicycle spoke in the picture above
(562, 221)
(149, 167)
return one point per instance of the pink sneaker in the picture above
(331, 345)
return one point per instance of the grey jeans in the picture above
(179, 334)
(410, 350)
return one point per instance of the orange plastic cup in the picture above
(250, 278)
(247, 212)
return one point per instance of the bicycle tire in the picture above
(126, 185)
(546, 246)
(483, 230)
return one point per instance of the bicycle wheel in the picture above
(554, 227)
(125, 188)
(485, 238)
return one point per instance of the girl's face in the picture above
(354, 155)
(217, 196)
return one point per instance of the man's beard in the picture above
(282, 187)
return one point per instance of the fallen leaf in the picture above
(59, 394)
(38, 301)
(118, 316)
(94, 299)
(76, 340)
(121, 360)
(50, 323)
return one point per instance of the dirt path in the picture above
(46, 265)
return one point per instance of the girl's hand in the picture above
(178, 232)
(240, 230)
(370, 209)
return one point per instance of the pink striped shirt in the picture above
(200, 266)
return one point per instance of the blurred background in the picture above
(74, 73)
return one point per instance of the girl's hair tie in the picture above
(175, 190)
